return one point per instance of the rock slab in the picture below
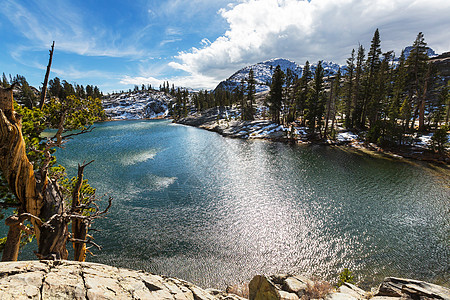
(75, 280)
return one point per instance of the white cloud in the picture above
(319, 29)
(195, 81)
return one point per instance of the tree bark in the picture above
(79, 227)
(39, 198)
(11, 250)
(44, 86)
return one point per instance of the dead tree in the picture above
(44, 85)
(40, 198)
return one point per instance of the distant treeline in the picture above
(386, 97)
(30, 96)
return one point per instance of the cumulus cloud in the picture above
(318, 29)
(194, 81)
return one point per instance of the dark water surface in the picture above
(215, 211)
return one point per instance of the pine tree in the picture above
(357, 101)
(315, 103)
(419, 74)
(349, 85)
(276, 94)
(441, 107)
(372, 66)
(249, 109)
(332, 102)
(89, 91)
(303, 90)
(5, 82)
(240, 95)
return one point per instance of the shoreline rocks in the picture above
(75, 280)
(288, 287)
(216, 120)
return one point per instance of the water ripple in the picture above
(217, 211)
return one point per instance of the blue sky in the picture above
(198, 43)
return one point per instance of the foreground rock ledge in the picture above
(74, 280)
(289, 287)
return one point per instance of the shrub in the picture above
(439, 139)
(345, 276)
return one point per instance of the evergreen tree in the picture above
(349, 85)
(249, 109)
(90, 91)
(394, 111)
(405, 114)
(276, 94)
(357, 99)
(372, 67)
(418, 70)
(441, 107)
(315, 102)
(332, 102)
(290, 96)
(241, 99)
(302, 90)
(5, 82)
(447, 114)
(26, 95)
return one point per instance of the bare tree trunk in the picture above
(39, 199)
(11, 250)
(44, 86)
(17, 169)
(79, 227)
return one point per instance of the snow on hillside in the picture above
(264, 70)
(137, 105)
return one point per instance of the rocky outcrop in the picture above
(284, 287)
(227, 124)
(411, 289)
(74, 280)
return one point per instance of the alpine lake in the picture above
(192, 204)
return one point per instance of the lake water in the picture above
(214, 211)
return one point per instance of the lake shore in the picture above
(268, 130)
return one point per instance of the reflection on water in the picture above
(192, 204)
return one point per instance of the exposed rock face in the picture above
(137, 105)
(74, 280)
(414, 289)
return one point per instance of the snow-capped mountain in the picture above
(430, 51)
(137, 105)
(329, 68)
(263, 72)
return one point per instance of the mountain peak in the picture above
(263, 72)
